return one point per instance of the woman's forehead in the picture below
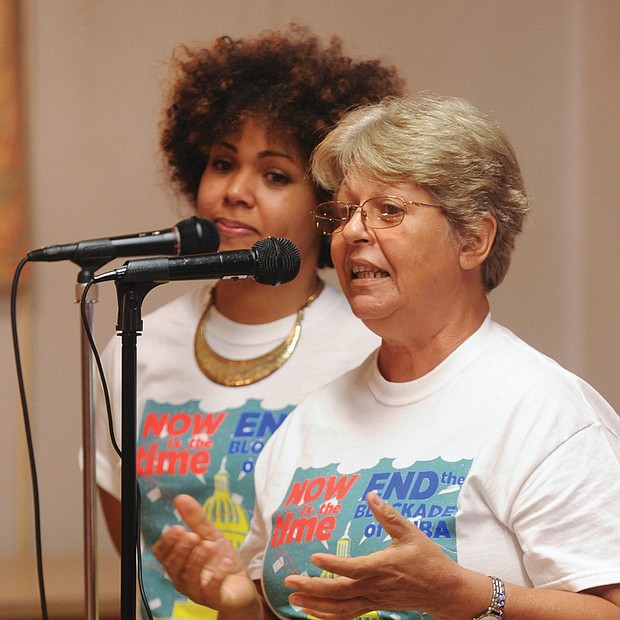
(359, 186)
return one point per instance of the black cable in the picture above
(100, 370)
(26, 417)
(30, 445)
(145, 602)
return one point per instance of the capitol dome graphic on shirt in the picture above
(230, 518)
(226, 514)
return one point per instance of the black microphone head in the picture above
(197, 236)
(277, 260)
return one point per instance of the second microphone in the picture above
(270, 261)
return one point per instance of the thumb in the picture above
(194, 517)
(400, 529)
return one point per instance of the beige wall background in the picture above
(545, 69)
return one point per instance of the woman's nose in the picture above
(240, 189)
(355, 229)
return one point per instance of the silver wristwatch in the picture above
(496, 606)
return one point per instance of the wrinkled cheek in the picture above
(337, 251)
(344, 277)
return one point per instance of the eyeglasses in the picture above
(379, 212)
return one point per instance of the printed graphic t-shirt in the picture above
(200, 438)
(505, 460)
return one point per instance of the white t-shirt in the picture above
(506, 460)
(201, 438)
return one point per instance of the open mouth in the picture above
(359, 272)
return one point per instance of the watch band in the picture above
(498, 599)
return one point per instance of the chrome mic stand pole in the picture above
(91, 610)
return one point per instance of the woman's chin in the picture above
(367, 308)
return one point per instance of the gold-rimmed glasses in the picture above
(377, 213)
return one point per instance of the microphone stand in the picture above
(89, 481)
(130, 297)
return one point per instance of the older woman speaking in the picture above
(456, 474)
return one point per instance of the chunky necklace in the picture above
(234, 373)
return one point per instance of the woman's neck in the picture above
(407, 355)
(246, 301)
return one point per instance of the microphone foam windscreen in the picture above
(277, 260)
(198, 236)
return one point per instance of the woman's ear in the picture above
(477, 246)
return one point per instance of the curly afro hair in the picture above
(289, 81)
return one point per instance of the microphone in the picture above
(270, 261)
(191, 236)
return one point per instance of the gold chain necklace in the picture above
(235, 373)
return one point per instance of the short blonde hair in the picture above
(444, 145)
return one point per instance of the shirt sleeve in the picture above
(566, 514)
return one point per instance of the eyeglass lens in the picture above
(379, 212)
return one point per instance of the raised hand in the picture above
(413, 573)
(204, 566)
